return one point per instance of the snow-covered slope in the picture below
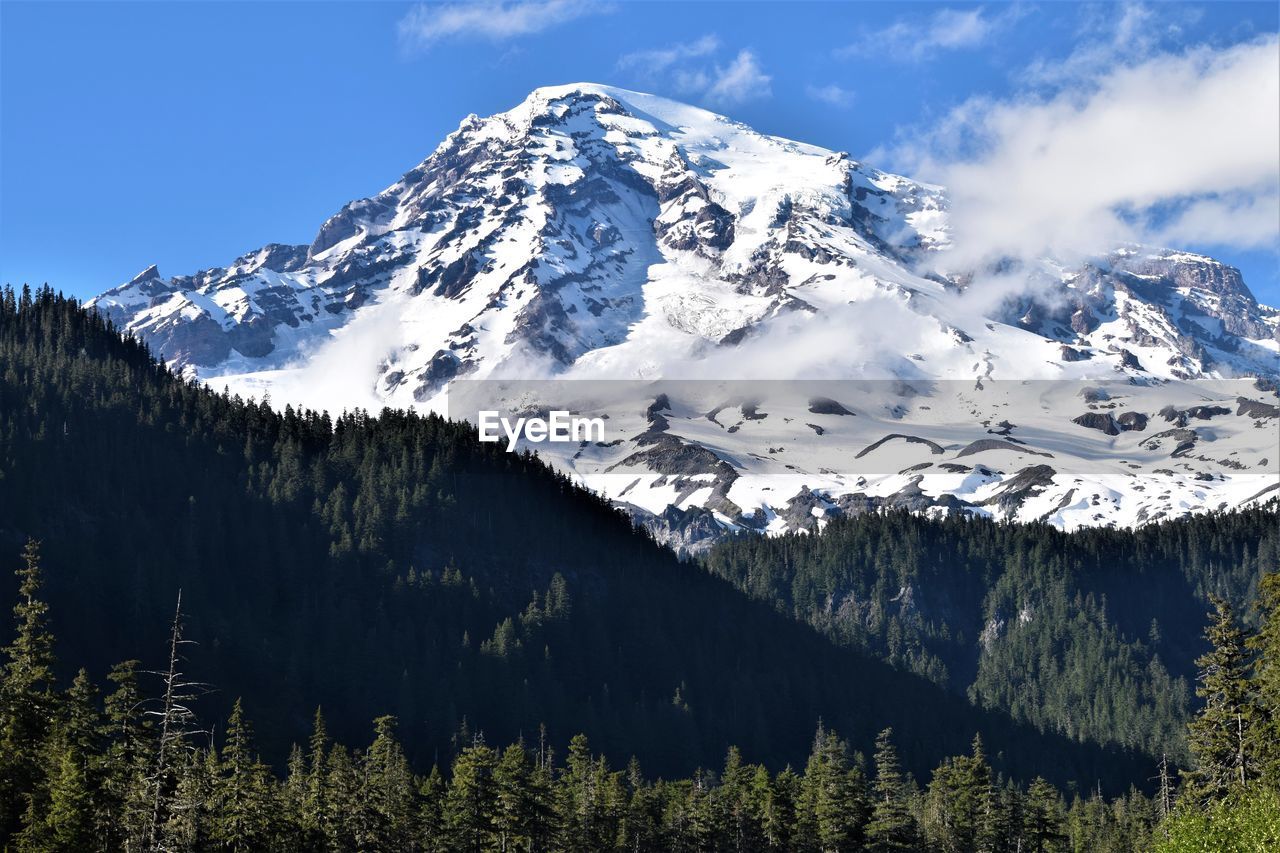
(592, 232)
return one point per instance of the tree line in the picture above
(136, 770)
(390, 563)
(1090, 634)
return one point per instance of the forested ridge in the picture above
(139, 770)
(393, 565)
(1091, 633)
(396, 565)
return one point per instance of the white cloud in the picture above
(1244, 220)
(741, 80)
(691, 70)
(916, 39)
(836, 96)
(691, 81)
(1172, 148)
(428, 23)
(1112, 35)
(660, 59)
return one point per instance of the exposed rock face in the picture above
(1070, 354)
(594, 232)
(1213, 288)
(1132, 421)
(1102, 422)
(1109, 424)
(824, 406)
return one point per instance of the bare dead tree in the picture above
(177, 725)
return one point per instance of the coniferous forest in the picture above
(501, 662)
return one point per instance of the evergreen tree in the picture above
(64, 821)
(642, 825)
(470, 804)
(1265, 740)
(431, 824)
(314, 796)
(960, 803)
(293, 799)
(343, 810)
(514, 808)
(123, 804)
(1221, 732)
(740, 810)
(588, 817)
(389, 787)
(892, 827)
(193, 810)
(777, 799)
(243, 801)
(1043, 821)
(834, 803)
(26, 694)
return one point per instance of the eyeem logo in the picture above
(559, 426)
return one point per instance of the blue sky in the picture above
(185, 134)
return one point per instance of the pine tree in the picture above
(960, 802)
(293, 798)
(389, 789)
(738, 809)
(892, 826)
(640, 830)
(1220, 734)
(243, 804)
(514, 812)
(343, 806)
(1043, 819)
(1265, 740)
(1003, 828)
(543, 819)
(312, 794)
(124, 805)
(193, 808)
(580, 800)
(431, 826)
(75, 777)
(469, 805)
(699, 830)
(26, 694)
(781, 797)
(65, 822)
(833, 796)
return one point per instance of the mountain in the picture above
(593, 233)
(397, 565)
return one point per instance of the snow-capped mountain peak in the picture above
(592, 232)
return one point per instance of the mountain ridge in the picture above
(591, 232)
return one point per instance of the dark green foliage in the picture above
(26, 692)
(892, 826)
(960, 803)
(1265, 645)
(394, 564)
(471, 805)
(221, 797)
(1043, 819)
(313, 588)
(1221, 732)
(1089, 634)
(1231, 799)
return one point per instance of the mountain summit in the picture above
(594, 232)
